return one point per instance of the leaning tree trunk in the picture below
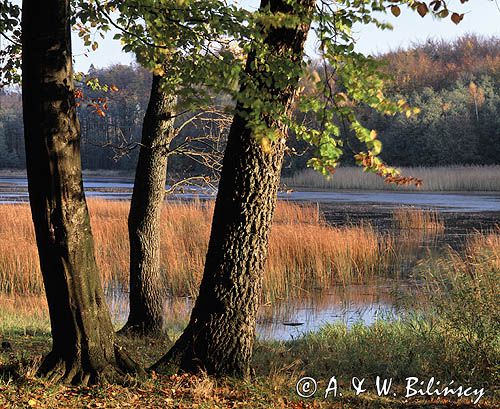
(146, 295)
(83, 349)
(220, 335)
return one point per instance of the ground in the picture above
(19, 388)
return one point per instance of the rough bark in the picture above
(220, 335)
(83, 349)
(146, 295)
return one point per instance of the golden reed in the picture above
(304, 251)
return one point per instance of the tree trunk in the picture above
(146, 295)
(220, 335)
(83, 349)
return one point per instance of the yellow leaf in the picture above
(158, 70)
(265, 144)
(32, 402)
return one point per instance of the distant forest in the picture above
(455, 84)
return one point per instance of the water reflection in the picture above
(289, 319)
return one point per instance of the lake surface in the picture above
(14, 189)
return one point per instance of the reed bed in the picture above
(307, 257)
(461, 332)
(412, 218)
(451, 328)
(482, 250)
(415, 234)
(438, 179)
(305, 253)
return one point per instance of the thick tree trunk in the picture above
(220, 335)
(146, 295)
(83, 349)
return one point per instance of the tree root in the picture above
(126, 363)
(172, 361)
(57, 369)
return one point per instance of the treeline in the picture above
(121, 123)
(456, 87)
(455, 84)
(110, 135)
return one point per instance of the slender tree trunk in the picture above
(220, 335)
(146, 295)
(83, 349)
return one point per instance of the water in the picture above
(446, 202)
(14, 189)
(348, 304)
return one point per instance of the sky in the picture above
(481, 17)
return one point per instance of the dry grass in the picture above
(19, 266)
(413, 218)
(317, 256)
(415, 234)
(439, 179)
(484, 249)
(304, 251)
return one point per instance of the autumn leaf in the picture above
(78, 93)
(395, 10)
(422, 9)
(457, 18)
(330, 169)
(444, 13)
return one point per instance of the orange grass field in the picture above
(304, 253)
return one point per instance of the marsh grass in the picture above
(305, 253)
(438, 179)
(462, 292)
(451, 329)
(408, 218)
